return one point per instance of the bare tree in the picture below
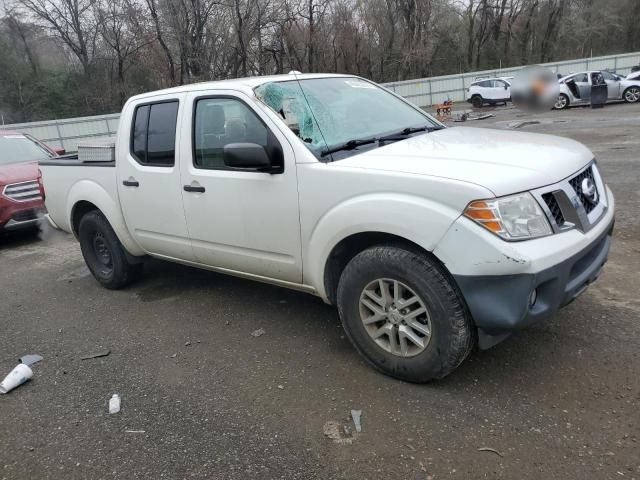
(128, 46)
(72, 21)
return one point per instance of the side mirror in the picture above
(59, 151)
(506, 87)
(246, 155)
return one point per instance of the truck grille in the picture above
(554, 208)
(577, 181)
(23, 192)
(577, 202)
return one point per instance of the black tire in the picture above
(452, 333)
(558, 104)
(104, 254)
(477, 101)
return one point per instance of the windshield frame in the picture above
(429, 121)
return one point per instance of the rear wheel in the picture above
(403, 314)
(632, 95)
(477, 101)
(104, 254)
(562, 102)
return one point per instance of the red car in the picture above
(21, 192)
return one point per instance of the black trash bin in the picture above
(599, 90)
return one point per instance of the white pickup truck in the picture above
(430, 240)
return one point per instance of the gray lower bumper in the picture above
(500, 305)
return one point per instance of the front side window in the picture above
(153, 137)
(222, 121)
(328, 112)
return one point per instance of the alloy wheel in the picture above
(395, 317)
(632, 95)
(561, 102)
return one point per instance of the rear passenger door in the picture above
(583, 83)
(502, 89)
(149, 183)
(240, 220)
(486, 89)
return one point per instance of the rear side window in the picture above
(153, 136)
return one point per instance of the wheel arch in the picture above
(86, 196)
(350, 246)
(478, 96)
(362, 221)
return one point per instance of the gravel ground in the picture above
(203, 398)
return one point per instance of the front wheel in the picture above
(104, 254)
(402, 312)
(632, 95)
(562, 102)
(477, 101)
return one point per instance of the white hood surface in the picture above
(503, 161)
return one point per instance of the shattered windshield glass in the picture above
(341, 116)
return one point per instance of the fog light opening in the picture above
(533, 296)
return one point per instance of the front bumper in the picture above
(18, 217)
(498, 279)
(501, 304)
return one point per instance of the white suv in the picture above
(489, 90)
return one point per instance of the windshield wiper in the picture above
(350, 145)
(408, 131)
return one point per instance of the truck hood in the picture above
(502, 161)
(18, 172)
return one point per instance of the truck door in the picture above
(149, 183)
(239, 219)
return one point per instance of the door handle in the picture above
(131, 183)
(193, 188)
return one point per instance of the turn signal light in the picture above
(486, 214)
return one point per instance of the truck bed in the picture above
(66, 178)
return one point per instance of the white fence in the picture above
(69, 132)
(422, 92)
(428, 91)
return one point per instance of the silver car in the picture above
(575, 89)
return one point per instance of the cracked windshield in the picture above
(334, 116)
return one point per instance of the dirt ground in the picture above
(203, 398)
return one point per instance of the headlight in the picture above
(516, 217)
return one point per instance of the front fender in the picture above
(413, 218)
(93, 192)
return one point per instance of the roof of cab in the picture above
(246, 84)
